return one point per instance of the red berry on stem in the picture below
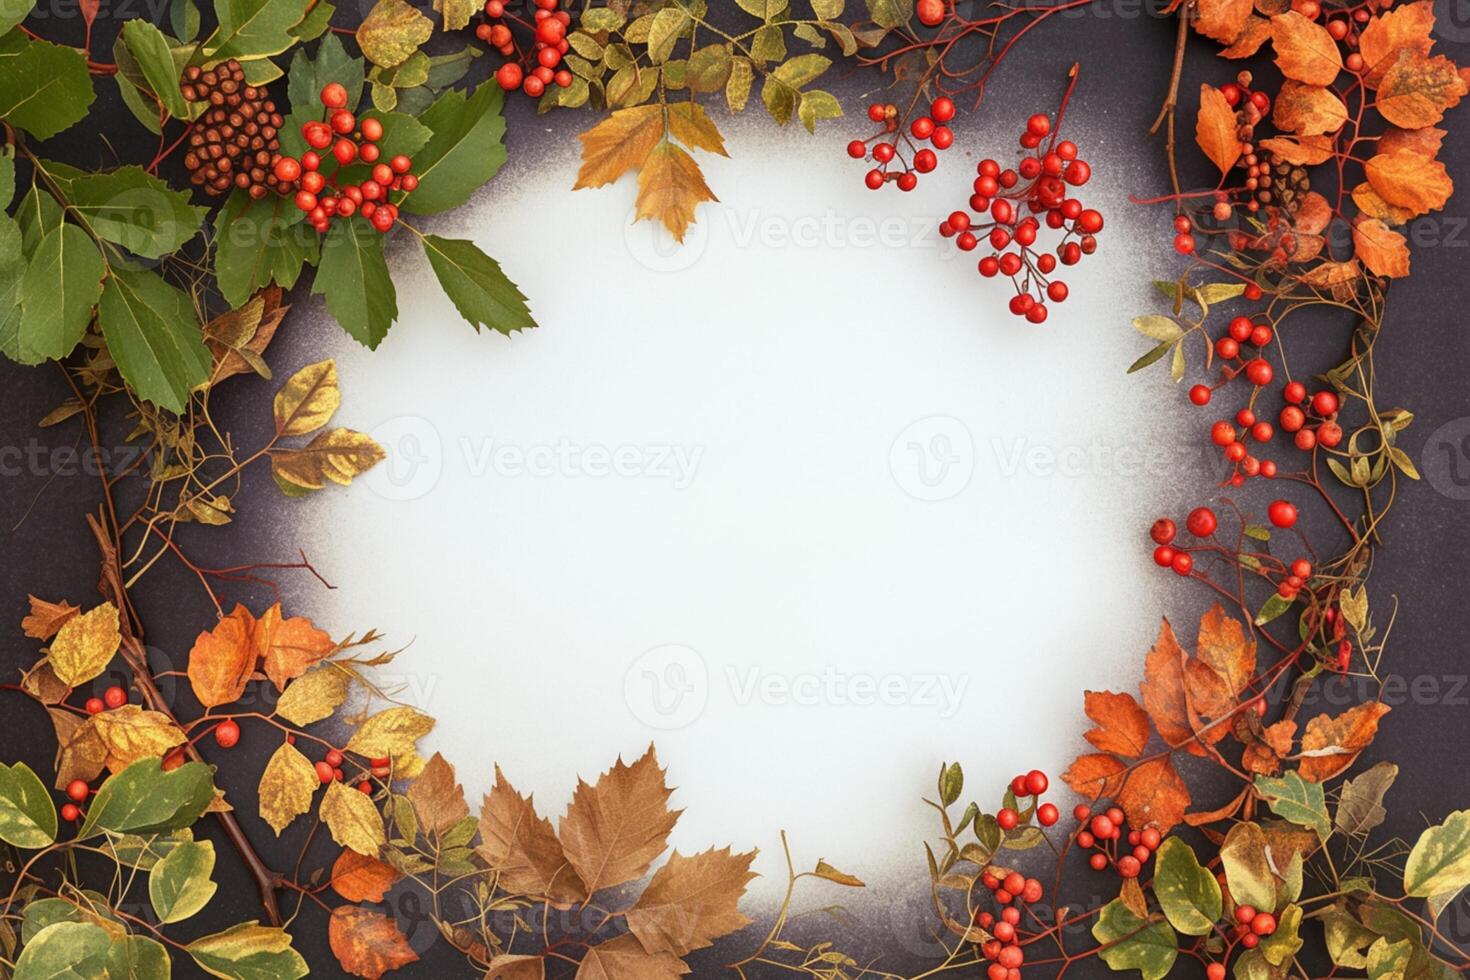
(1007, 819)
(114, 697)
(77, 790)
(1163, 531)
(1183, 563)
(227, 733)
(1201, 522)
(1036, 782)
(95, 706)
(942, 109)
(70, 812)
(1047, 814)
(334, 95)
(1282, 513)
(1200, 395)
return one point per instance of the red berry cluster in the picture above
(1005, 951)
(329, 769)
(1202, 523)
(1104, 834)
(1031, 784)
(351, 140)
(1252, 926)
(885, 149)
(1313, 421)
(1039, 181)
(543, 61)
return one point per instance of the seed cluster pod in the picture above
(235, 142)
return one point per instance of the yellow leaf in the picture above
(308, 399)
(1381, 249)
(314, 695)
(288, 646)
(337, 455)
(1409, 180)
(1416, 90)
(1307, 151)
(1215, 130)
(391, 32)
(690, 125)
(286, 787)
(222, 659)
(353, 819)
(1225, 646)
(692, 901)
(613, 830)
(1304, 49)
(85, 644)
(522, 847)
(618, 144)
(132, 733)
(1307, 110)
(670, 186)
(1407, 26)
(516, 966)
(456, 13)
(46, 618)
(390, 733)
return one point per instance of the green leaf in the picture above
(249, 951)
(64, 951)
(1188, 894)
(1159, 351)
(12, 268)
(1286, 941)
(44, 87)
(802, 69)
(951, 783)
(890, 13)
(154, 337)
(12, 12)
(179, 885)
(474, 283)
(392, 31)
(1360, 806)
(143, 799)
(465, 151)
(815, 105)
(1272, 608)
(27, 815)
(253, 29)
(7, 175)
(1439, 864)
(130, 207)
(150, 50)
(315, 23)
(353, 276)
(137, 958)
(61, 284)
(1389, 961)
(260, 242)
(308, 75)
(668, 25)
(1247, 869)
(1149, 948)
(766, 10)
(1293, 798)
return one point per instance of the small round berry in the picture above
(114, 697)
(1163, 556)
(343, 122)
(324, 772)
(1324, 403)
(925, 161)
(1039, 125)
(345, 151)
(1291, 418)
(1263, 924)
(857, 149)
(70, 812)
(1163, 531)
(1227, 347)
(1036, 782)
(1056, 291)
(227, 734)
(334, 95)
(1305, 440)
(533, 87)
(1301, 568)
(1258, 372)
(318, 135)
(77, 790)
(1007, 818)
(1201, 522)
(509, 76)
(1260, 335)
(1184, 244)
(1282, 513)
(334, 758)
(1047, 814)
(1128, 866)
(874, 178)
(1085, 839)
(1222, 433)
(1215, 971)
(1262, 431)
(908, 180)
(1151, 838)
(1037, 313)
(1252, 291)
(1098, 862)
(942, 109)
(1183, 563)
(173, 760)
(875, 112)
(1199, 395)
(922, 127)
(1294, 393)
(287, 169)
(95, 706)
(1090, 221)
(1329, 434)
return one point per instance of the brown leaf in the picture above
(1338, 278)
(336, 455)
(367, 943)
(1131, 895)
(222, 659)
(80, 751)
(1425, 141)
(689, 124)
(692, 901)
(1406, 27)
(288, 647)
(1312, 215)
(1307, 151)
(1210, 698)
(1122, 726)
(670, 187)
(618, 144)
(1224, 643)
(1221, 20)
(307, 400)
(1409, 180)
(1304, 49)
(437, 799)
(1263, 755)
(1329, 745)
(45, 618)
(361, 877)
(1416, 90)
(1215, 130)
(1256, 32)
(1154, 795)
(1381, 249)
(1163, 690)
(1094, 775)
(41, 683)
(523, 847)
(508, 966)
(624, 959)
(238, 338)
(1307, 110)
(612, 831)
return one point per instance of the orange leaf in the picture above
(1372, 204)
(1122, 726)
(1264, 755)
(289, 647)
(1154, 795)
(523, 848)
(1381, 249)
(1307, 151)
(222, 660)
(618, 144)
(367, 943)
(361, 878)
(1094, 775)
(1417, 90)
(1214, 128)
(1210, 698)
(670, 187)
(46, 618)
(613, 830)
(1336, 277)
(1304, 49)
(624, 959)
(1221, 20)
(1256, 32)
(1307, 110)
(1425, 141)
(1409, 180)
(1329, 745)
(692, 901)
(1223, 642)
(1312, 216)
(1406, 27)
(1163, 690)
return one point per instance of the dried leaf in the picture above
(222, 659)
(1122, 726)
(1221, 20)
(307, 401)
(670, 187)
(692, 901)
(1405, 27)
(523, 848)
(613, 830)
(80, 751)
(353, 819)
(1225, 646)
(45, 618)
(437, 799)
(391, 733)
(1094, 775)
(41, 683)
(132, 733)
(367, 943)
(1381, 249)
(314, 695)
(1154, 795)
(337, 455)
(1215, 129)
(1409, 180)
(1163, 690)
(1416, 90)
(1338, 278)
(288, 647)
(689, 124)
(508, 966)
(1304, 49)
(1307, 151)
(1256, 32)
(1312, 215)
(1426, 140)
(84, 645)
(362, 878)
(1307, 110)
(392, 31)
(238, 338)
(1329, 745)
(1372, 205)
(624, 959)
(287, 786)
(618, 144)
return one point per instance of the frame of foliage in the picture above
(163, 298)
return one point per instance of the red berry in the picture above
(343, 122)
(1081, 812)
(1090, 221)
(931, 12)
(334, 758)
(509, 76)
(874, 178)
(1258, 372)
(533, 87)
(922, 127)
(924, 161)
(1056, 291)
(324, 772)
(1222, 433)
(1183, 563)
(1036, 782)
(1200, 395)
(1163, 531)
(1201, 522)
(1078, 173)
(1129, 866)
(1037, 313)
(318, 135)
(70, 812)
(1047, 814)
(1007, 818)
(942, 109)
(1227, 347)
(95, 706)
(1261, 431)
(1292, 418)
(1039, 125)
(1184, 244)
(943, 137)
(1306, 440)
(1282, 513)
(1252, 291)
(77, 790)
(287, 169)
(1294, 393)
(1260, 335)
(227, 733)
(1263, 924)
(114, 697)
(1098, 861)
(1324, 403)
(1151, 838)
(334, 95)
(345, 151)
(1163, 556)
(857, 149)
(1329, 434)
(173, 760)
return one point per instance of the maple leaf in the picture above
(1381, 249)
(613, 830)
(1163, 690)
(132, 733)
(1154, 795)
(1122, 726)
(523, 848)
(624, 959)
(1409, 180)
(1416, 90)
(1221, 20)
(1304, 49)
(1406, 27)
(353, 819)
(437, 799)
(288, 646)
(670, 187)
(45, 618)
(1209, 698)
(692, 901)
(1095, 775)
(84, 645)
(1215, 130)
(287, 785)
(691, 125)
(1329, 745)
(1223, 642)
(1256, 32)
(367, 943)
(222, 659)
(361, 877)
(618, 144)
(1307, 151)
(1307, 110)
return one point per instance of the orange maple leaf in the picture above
(1122, 726)
(1330, 744)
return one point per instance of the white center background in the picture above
(800, 502)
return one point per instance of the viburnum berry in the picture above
(70, 812)
(324, 772)
(1163, 556)
(1098, 861)
(1199, 395)
(1215, 971)
(1036, 782)
(1201, 522)
(1324, 403)
(1007, 818)
(1294, 393)
(77, 790)
(1291, 418)
(114, 697)
(1258, 372)
(1329, 434)
(1047, 814)
(1282, 513)
(227, 733)
(1183, 563)
(1163, 531)
(95, 706)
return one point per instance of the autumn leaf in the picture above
(1406, 27)
(1307, 110)
(1163, 690)
(1304, 49)
(1095, 775)
(692, 901)
(1122, 726)
(1256, 32)
(80, 751)
(222, 659)
(618, 144)
(1337, 278)
(337, 455)
(670, 186)
(1263, 754)
(353, 819)
(1329, 745)
(523, 848)
(1380, 248)
(45, 618)
(392, 31)
(512, 966)
(288, 647)
(367, 943)
(1221, 20)
(1372, 205)
(84, 645)
(41, 683)
(1224, 644)
(1307, 151)
(390, 733)
(1416, 90)
(613, 830)
(132, 733)
(1409, 180)
(362, 878)
(437, 799)
(1425, 141)
(624, 958)
(287, 785)
(307, 400)
(1154, 795)
(1215, 129)
(689, 124)
(1312, 215)
(314, 695)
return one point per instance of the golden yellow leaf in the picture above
(132, 733)
(670, 187)
(1381, 249)
(613, 830)
(288, 646)
(362, 878)
(287, 786)
(45, 618)
(307, 401)
(1416, 90)
(1330, 744)
(84, 645)
(523, 848)
(1304, 49)
(1215, 130)
(1307, 151)
(1409, 180)
(1372, 205)
(222, 659)
(392, 31)
(390, 733)
(353, 819)
(1405, 27)
(1221, 20)
(689, 124)
(692, 901)
(1307, 110)
(624, 958)
(337, 455)
(618, 144)
(367, 943)
(438, 801)
(314, 695)
(456, 14)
